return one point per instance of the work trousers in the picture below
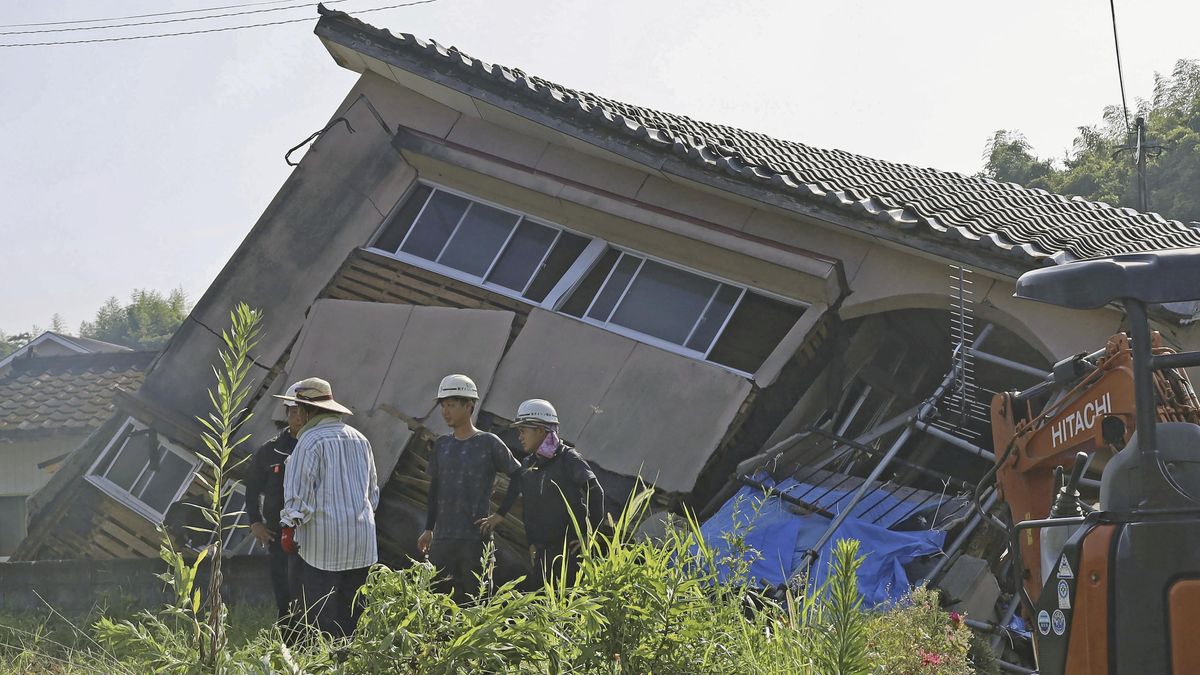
(327, 598)
(548, 563)
(282, 578)
(460, 566)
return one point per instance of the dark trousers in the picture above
(460, 565)
(328, 598)
(548, 561)
(282, 581)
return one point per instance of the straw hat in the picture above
(316, 392)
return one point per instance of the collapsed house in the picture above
(710, 309)
(55, 391)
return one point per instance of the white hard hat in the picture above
(291, 394)
(457, 385)
(536, 412)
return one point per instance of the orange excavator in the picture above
(1110, 584)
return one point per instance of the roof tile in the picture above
(1029, 223)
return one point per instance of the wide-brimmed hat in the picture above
(316, 392)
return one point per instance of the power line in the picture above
(162, 21)
(142, 16)
(209, 30)
(1120, 73)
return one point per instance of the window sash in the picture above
(482, 280)
(96, 473)
(570, 279)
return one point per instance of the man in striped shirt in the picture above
(330, 493)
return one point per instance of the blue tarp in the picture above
(779, 538)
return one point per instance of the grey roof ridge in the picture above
(723, 159)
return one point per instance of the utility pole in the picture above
(1141, 150)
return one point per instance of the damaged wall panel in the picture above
(632, 408)
(385, 360)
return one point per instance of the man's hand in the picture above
(424, 541)
(489, 524)
(287, 540)
(261, 533)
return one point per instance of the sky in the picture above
(144, 163)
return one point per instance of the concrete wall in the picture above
(77, 586)
(344, 188)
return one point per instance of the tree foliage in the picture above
(1090, 169)
(147, 322)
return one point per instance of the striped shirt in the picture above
(330, 492)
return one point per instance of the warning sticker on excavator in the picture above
(1064, 594)
(1059, 622)
(1064, 568)
(1044, 622)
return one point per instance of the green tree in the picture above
(1094, 169)
(11, 343)
(147, 322)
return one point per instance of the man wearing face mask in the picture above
(560, 491)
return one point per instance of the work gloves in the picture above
(287, 540)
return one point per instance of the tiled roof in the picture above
(1033, 225)
(71, 393)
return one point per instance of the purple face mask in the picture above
(550, 445)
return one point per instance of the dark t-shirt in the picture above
(465, 472)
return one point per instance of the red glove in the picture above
(287, 540)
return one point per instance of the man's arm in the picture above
(256, 479)
(373, 494)
(300, 483)
(425, 540)
(589, 487)
(488, 524)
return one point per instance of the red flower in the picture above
(930, 658)
(955, 619)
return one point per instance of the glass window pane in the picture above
(664, 302)
(432, 230)
(132, 458)
(402, 222)
(753, 332)
(614, 287)
(522, 255)
(172, 472)
(566, 252)
(478, 239)
(714, 318)
(582, 296)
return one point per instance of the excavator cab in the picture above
(1123, 596)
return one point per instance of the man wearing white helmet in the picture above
(462, 471)
(560, 491)
(264, 483)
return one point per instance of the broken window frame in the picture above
(568, 283)
(117, 445)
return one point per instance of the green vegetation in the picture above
(1090, 170)
(639, 606)
(147, 322)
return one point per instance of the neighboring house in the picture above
(685, 293)
(50, 343)
(53, 395)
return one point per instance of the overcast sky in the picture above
(143, 164)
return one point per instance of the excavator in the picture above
(1109, 584)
